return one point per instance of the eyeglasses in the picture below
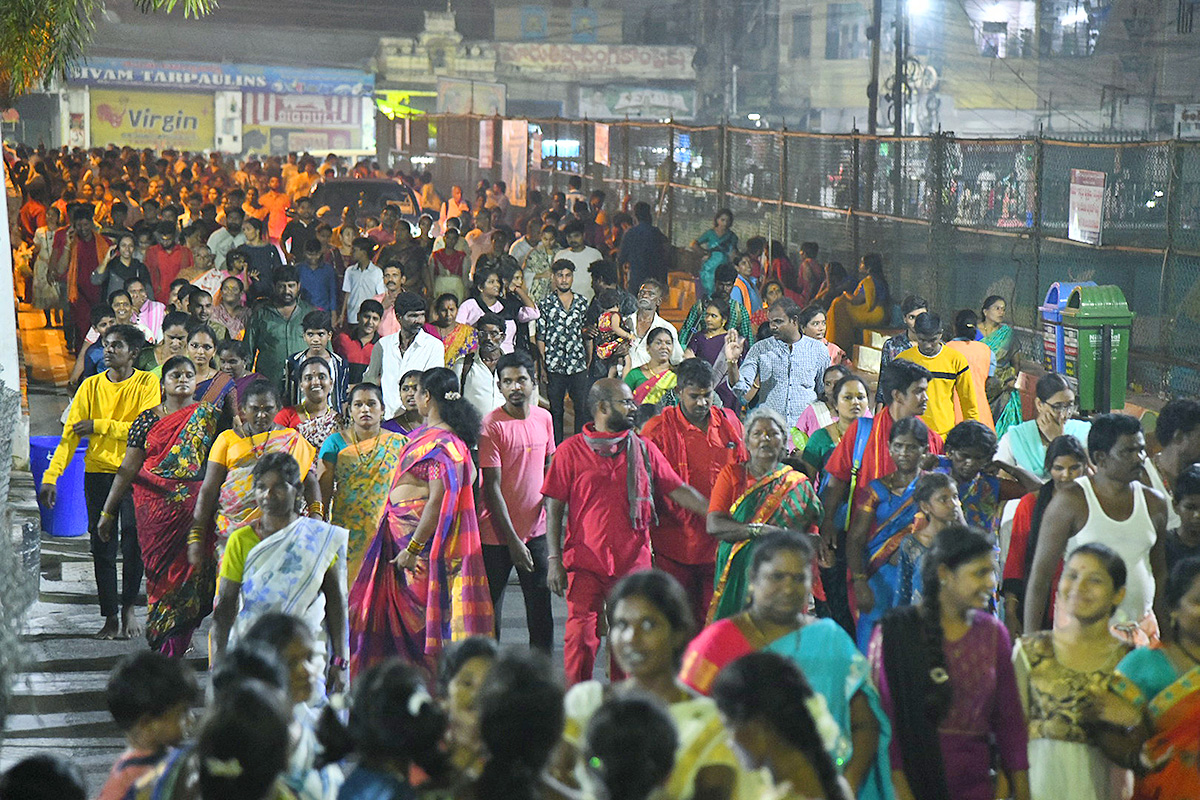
(1063, 408)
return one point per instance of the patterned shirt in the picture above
(787, 374)
(561, 330)
(891, 348)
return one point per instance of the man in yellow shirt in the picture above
(951, 374)
(103, 410)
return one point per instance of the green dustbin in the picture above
(1096, 327)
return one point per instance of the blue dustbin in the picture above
(1053, 357)
(69, 515)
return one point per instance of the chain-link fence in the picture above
(955, 219)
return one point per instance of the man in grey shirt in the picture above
(784, 369)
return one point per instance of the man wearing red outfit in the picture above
(607, 529)
(165, 260)
(698, 441)
(77, 252)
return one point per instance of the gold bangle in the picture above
(316, 507)
(861, 576)
(415, 550)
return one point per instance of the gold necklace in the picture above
(359, 456)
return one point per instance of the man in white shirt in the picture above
(476, 371)
(228, 238)
(645, 319)
(524, 246)
(581, 256)
(407, 349)
(479, 239)
(363, 279)
(454, 208)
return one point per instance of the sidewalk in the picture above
(57, 701)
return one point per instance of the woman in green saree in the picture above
(1002, 393)
(752, 499)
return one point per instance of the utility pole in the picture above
(898, 88)
(875, 35)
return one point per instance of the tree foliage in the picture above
(43, 39)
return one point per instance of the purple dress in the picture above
(986, 704)
(712, 350)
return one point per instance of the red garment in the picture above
(165, 266)
(448, 262)
(276, 204)
(353, 350)
(809, 280)
(1014, 563)
(32, 217)
(698, 456)
(876, 461)
(381, 237)
(696, 579)
(87, 261)
(600, 537)
(586, 595)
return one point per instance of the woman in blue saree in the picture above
(880, 523)
(780, 579)
(1003, 396)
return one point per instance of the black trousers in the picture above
(104, 554)
(837, 589)
(534, 586)
(560, 384)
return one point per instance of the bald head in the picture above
(611, 404)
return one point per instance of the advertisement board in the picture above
(180, 120)
(131, 72)
(1085, 215)
(634, 102)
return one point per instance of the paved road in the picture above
(58, 697)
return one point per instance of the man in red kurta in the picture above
(77, 252)
(905, 386)
(609, 479)
(166, 259)
(698, 441)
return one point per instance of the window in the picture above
(845, 31)
(994, 41)
(801, 36)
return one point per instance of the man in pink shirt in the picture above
(512, 523)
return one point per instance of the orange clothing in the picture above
(979, 360)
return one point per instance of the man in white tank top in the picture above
(1110, 507)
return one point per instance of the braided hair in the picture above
(917, 675)
(770, 688)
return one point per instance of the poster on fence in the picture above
(514, 158)
(600, 144)
(1085, 216)
(487, 143)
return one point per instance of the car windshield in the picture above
(367, 197)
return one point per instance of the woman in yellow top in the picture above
(650, 623)
(227, 492)
(869, 304)
(283, 562)
(352, 461)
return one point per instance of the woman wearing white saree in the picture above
(288, 563)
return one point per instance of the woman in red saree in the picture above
(164, 461)
(1161, 689)
(422, 584)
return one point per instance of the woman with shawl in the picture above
(352, 461)
(164, 463)
(226, 501)
(288, 563)
(777, 619)
(422, 583)
(1002, 394)
(750, 500)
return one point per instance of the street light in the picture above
(918, 8)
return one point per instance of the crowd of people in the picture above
(341, 442)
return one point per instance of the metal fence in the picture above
(955, 219)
